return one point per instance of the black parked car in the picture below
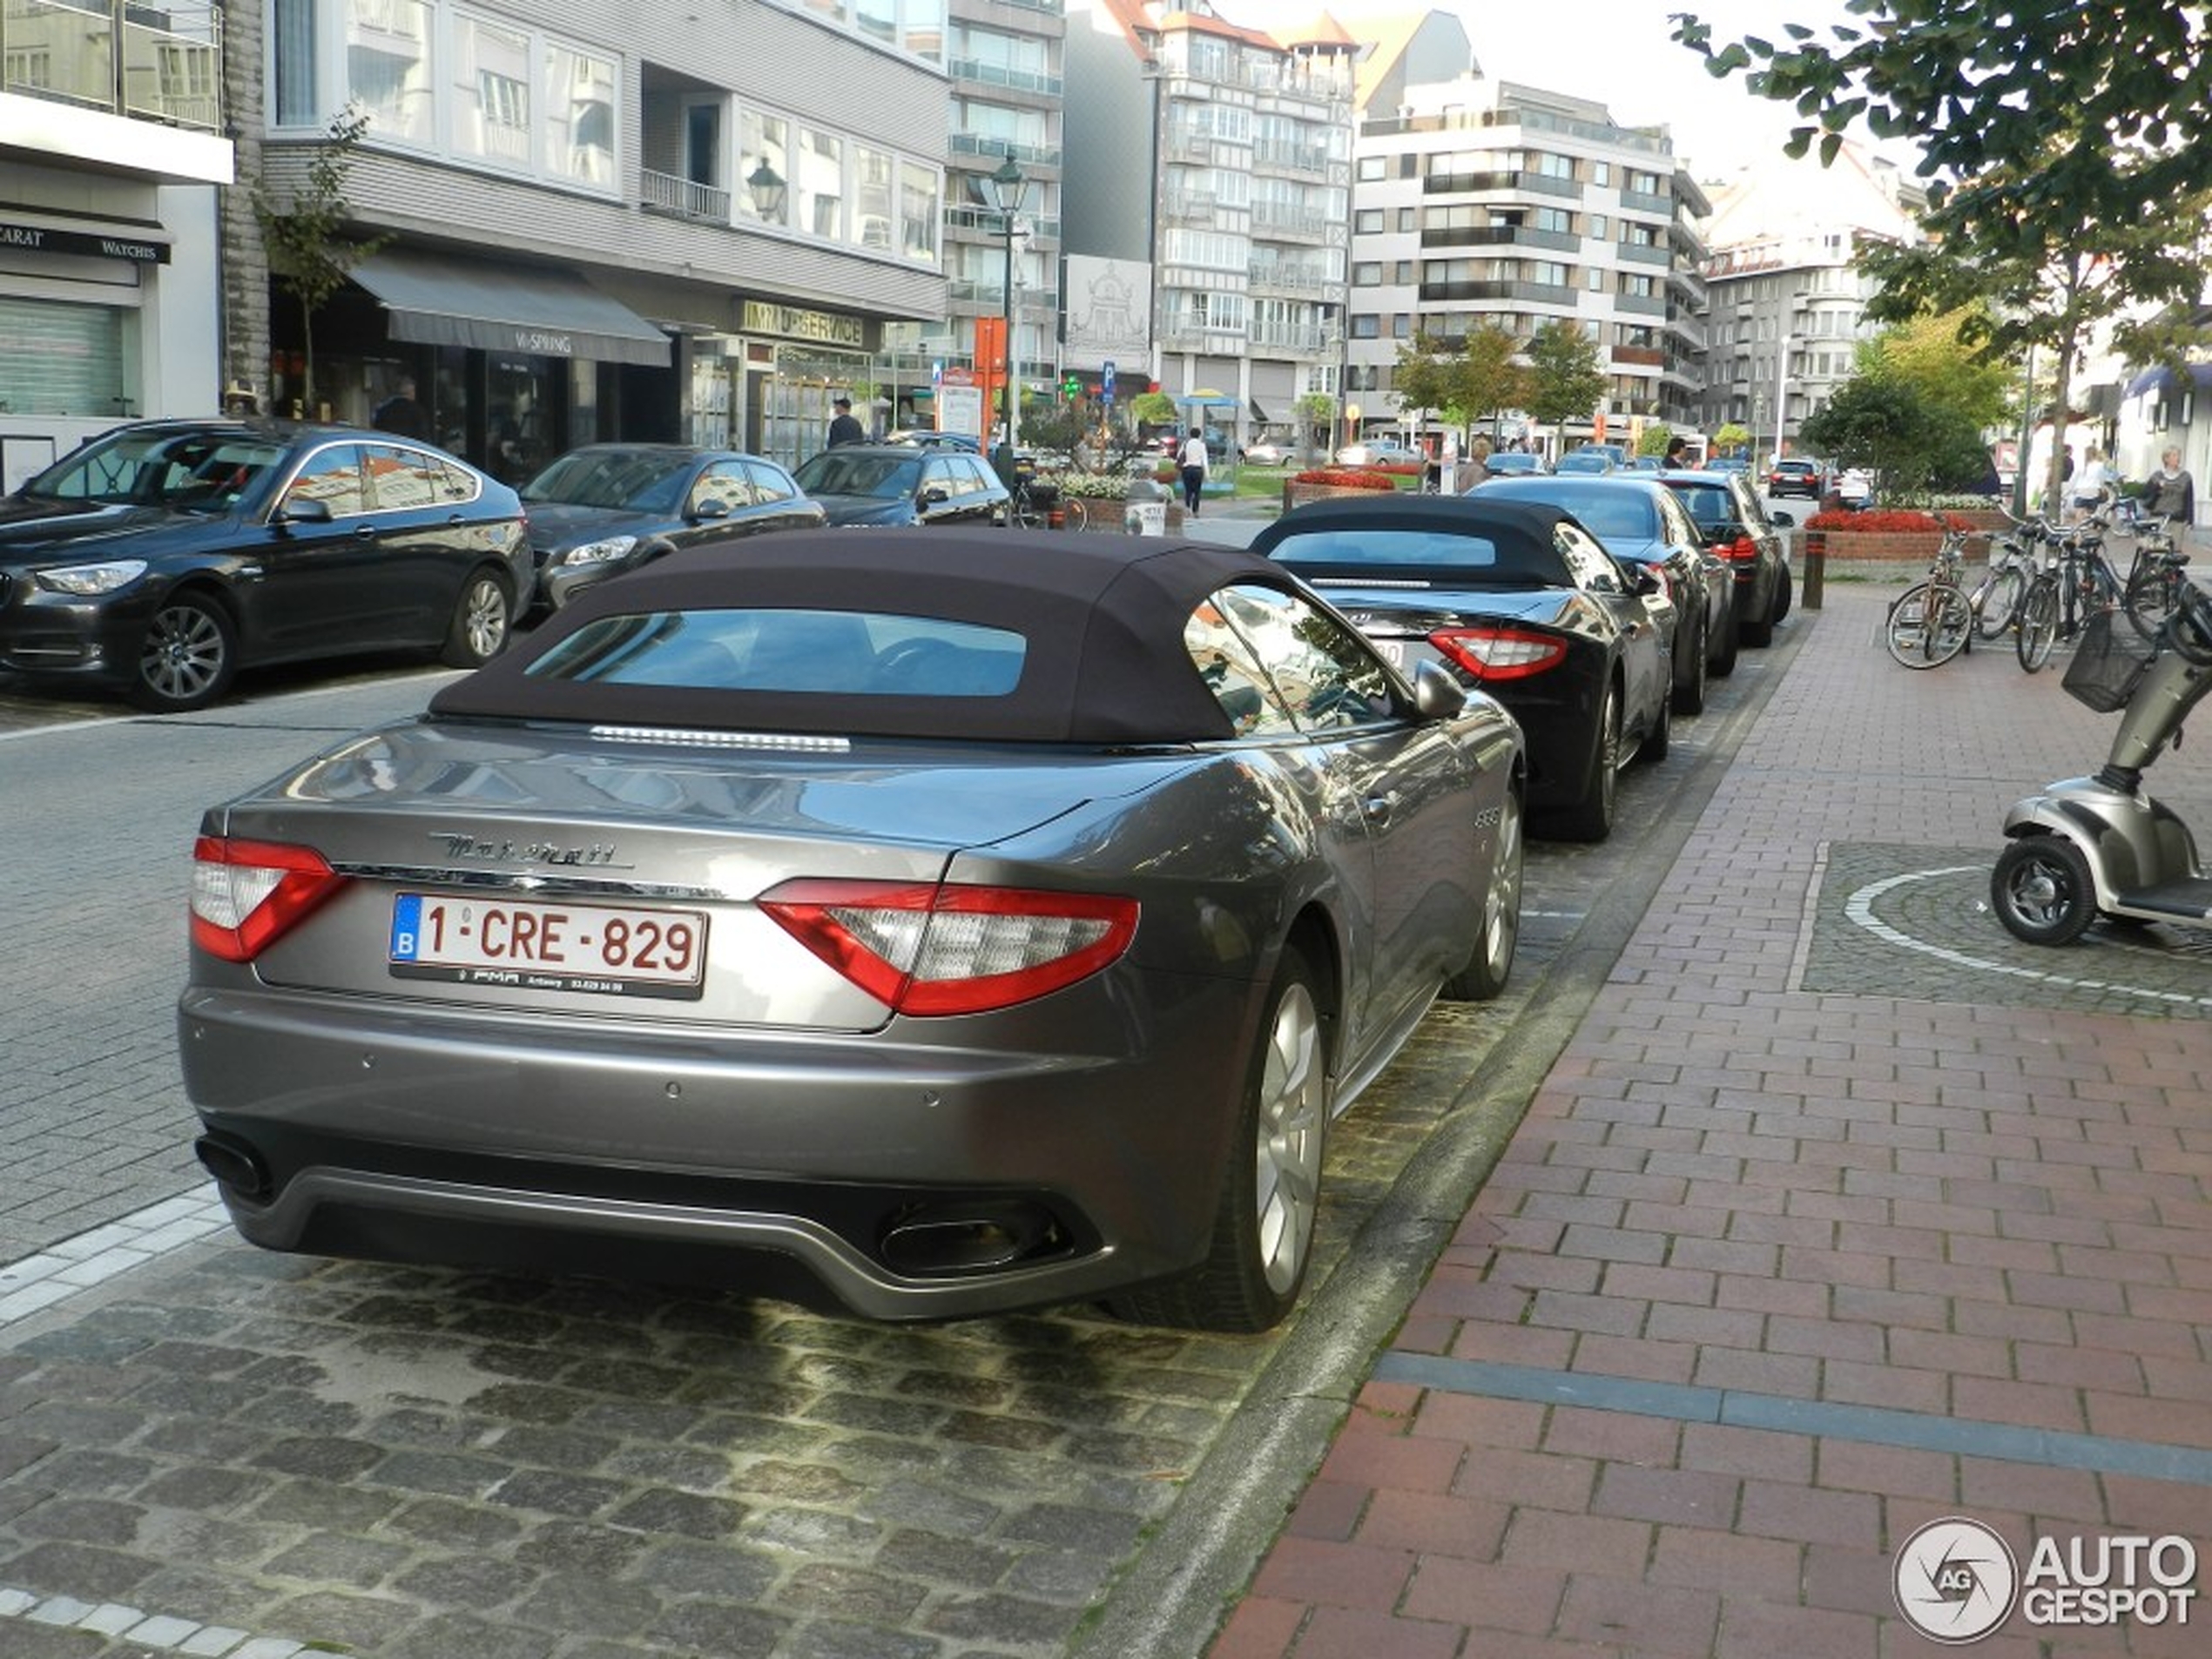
(608, 507)
(161, 557)
(1518, 599)
(887, 483)
(1726, 510)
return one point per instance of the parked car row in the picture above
(942, 925)
(161, 558)
(1594, 608)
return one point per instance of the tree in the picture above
(1657, 435)
(1731, 438)
(1478, 377)
(1889, 427)
(1564, 375)
(2068, 175)
(1316, 415)
(304, 230)
(1927, 355)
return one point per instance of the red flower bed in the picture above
(1347, 477)
(1885, 521)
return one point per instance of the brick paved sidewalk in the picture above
(1769, 1277)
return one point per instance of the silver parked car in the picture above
(992, 921)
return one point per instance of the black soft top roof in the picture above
(1521, 531)
(1103, 617)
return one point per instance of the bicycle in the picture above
(2073, 584)
(1933, 621)
(1996, 598)
(2155, 577)
(1021, 511)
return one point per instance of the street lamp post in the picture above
(1008, 186)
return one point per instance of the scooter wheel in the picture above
(2042, 891)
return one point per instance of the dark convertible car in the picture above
(988, 920)
(1514, 597)
(162, 557)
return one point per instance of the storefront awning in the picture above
(444, 299)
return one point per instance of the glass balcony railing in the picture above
(119, 57)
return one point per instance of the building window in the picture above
(1409, 219)
(580, 93)
(388, 69)
(1367, 222)
(1365, 326)
(818, 186)
(491, 116)
(920, 210)
(764, 148)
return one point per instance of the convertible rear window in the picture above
(1412, 551)
(838, 652)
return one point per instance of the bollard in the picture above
(1816, 570)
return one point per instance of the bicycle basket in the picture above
(2108, 663)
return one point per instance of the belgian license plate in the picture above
(1391, 650)
(530, 944)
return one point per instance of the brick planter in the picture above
(1298, 495)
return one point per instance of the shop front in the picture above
(796, 362)
(510, 364)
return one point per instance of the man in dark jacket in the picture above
(845, 428)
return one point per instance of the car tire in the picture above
(1270, 1181)
(2042, 891)
(1756, 632)
(483, 619)
(1782, 586)
(1590, 819)
(1724, 645)
(1484, 976)
(189, 656)
(1689, 694)
(1661, 736)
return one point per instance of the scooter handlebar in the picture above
(2190, 630)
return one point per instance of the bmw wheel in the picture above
(189, 656)
(2042, 891)
(1271, 1188)
(1689, 692)
(480, 621)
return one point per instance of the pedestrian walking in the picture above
(1192, 460)
(2170, 493)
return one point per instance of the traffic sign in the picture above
(1106, 384)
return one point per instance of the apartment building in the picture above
(1208, 201)
(1001, 258)
(1786, 303)
(111, 150)
(1493, 203)
(694, 221)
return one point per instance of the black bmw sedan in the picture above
(162, 557)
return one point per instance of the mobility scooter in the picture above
(2100, 846)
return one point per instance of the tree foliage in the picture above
(1929, 355)
(305, 233)
(1891, 429)
(1565, 375)
(1464, 384)
(2068, 170)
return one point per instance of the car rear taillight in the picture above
(1499, 653)
(246, 895)
(1739, 550)
(929, 947)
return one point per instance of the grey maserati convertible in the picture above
(987, 921)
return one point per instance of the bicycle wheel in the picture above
(2153, 594)
(1074, 514)
(1929, 624)
(2000, 598)
(2038, 626)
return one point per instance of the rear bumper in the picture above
(905, 1174)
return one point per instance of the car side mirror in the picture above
(1647, 582)
(710, 507)
(1782, 521)
(935, 496)
(305, 510)
(1437, 696)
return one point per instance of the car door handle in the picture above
(1377, 809)
(364, 532)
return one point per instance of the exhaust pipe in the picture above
(234, 1164)
(969, 1238)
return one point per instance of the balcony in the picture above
(1281, 156)
(663, 193)
(1501, 236)
(1297, 340)
(973, 71)
(1302, 224)
(1275, 276)
(1539, 292)
(1639, 356)
(1641, 305)
(969, 143)
(118, 57)
(1644, 203)
(1201, 208)
(1461, 184)
(1642, 253)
